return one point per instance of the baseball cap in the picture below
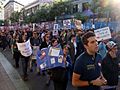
(111, 44)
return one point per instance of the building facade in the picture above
(36, 5)
(11, 7)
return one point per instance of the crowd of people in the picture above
(89, 64)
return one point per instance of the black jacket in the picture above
(110, 70)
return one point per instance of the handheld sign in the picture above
(102, 33)
(41, 58)
(78, 24)
(67, 24)
(34, 51)
(25, 48)
(56, 27)
(53, 58)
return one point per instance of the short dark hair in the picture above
(86, 36)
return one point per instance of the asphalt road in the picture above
(36, 82)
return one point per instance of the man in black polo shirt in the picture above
(87, 70)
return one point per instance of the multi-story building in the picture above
(11, 7)
(36, 5)
(79, 5)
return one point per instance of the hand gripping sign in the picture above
(25, 48)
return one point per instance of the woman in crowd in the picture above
(25, 60)
(59, 75)
(16, 53)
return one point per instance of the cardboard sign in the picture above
(102, 33)
(25, 48)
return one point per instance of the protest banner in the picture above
(25, 48)
(102, 33)
(41, 58)
(53, 58)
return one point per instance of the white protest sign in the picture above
(67, 24)
(25, 48)
(33, 26)
(78, 24)
(54, 51)
(56, 27)
(93, 26)
(102, 33)
(55, 32)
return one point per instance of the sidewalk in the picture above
(5, 82)
(9, 77)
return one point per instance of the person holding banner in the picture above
(24, 58)
(59, 74)
(44, 44)
(35, 42)
(87, 70)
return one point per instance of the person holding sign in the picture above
(87, 70)
(60, 74)
(35, 42)
(24, 59)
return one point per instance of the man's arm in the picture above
(76, 82)
(80, 83)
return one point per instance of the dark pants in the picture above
(110, 89)
(16, 56)
(60, 85)
(25, 61)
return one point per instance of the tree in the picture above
(81, 17)
(15, 17)
(1, 3)
(60, 9)
(1, 22)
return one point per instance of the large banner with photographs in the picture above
(53, 57)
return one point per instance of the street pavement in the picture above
(35, 82)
